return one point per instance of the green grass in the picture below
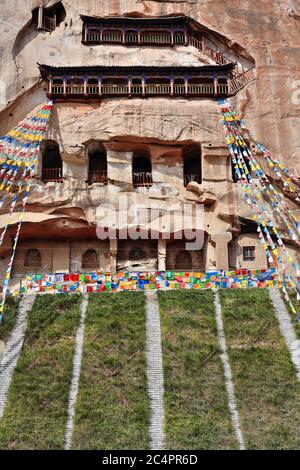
(196, 409)
(36, 411)
(112, 408)
(9, 318)
(267, 391)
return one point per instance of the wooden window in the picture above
(249, 253)
(33, 259)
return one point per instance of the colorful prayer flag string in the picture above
(19, 150)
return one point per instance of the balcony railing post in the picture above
(123, 36)
(85, 33)
(203, 44)
(100, 86)
(139, 36)
(172, 37)
(85, 86)
(50, 85)
(65, 86)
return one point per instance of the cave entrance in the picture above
(192, 164)
(142, 170)
(52, 167)
(97, 162)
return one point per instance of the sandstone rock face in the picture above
(267, 31)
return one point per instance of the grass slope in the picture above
(9, 318)
(265, 382)
(112, 406)
(196, 409)
(36, 410)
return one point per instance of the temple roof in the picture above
(47, 70)
(180, 20)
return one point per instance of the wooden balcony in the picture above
(134, 38)
(143, 180)
(52, 174)
(97, 176)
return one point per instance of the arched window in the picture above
(97, 162)
(90, 260)
(137, 254)
(141, 170)
(52, 169)
(192, 164)
(183, 261)
(33, 259)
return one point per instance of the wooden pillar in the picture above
(172, 37)
(143, 86)
(172, 86)
(129, 85)
(139, 36)
(40, 18)
(85, 86)
(85, 33)
(216, 86)
(65, 86)
(50, 85)
(186, 38)
(101, 35)
(203, 44)
(100, 86)
(186, 86)
(123, 36)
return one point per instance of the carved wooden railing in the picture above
(52, 174)
(75, 89)
(179, 89)
(205, 89)
(92, 89)
(142, 179)
(159, 89)
(115, 89)
(97, 176)
(152, 89)
(136, 89)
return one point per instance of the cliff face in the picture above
(268, 31)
